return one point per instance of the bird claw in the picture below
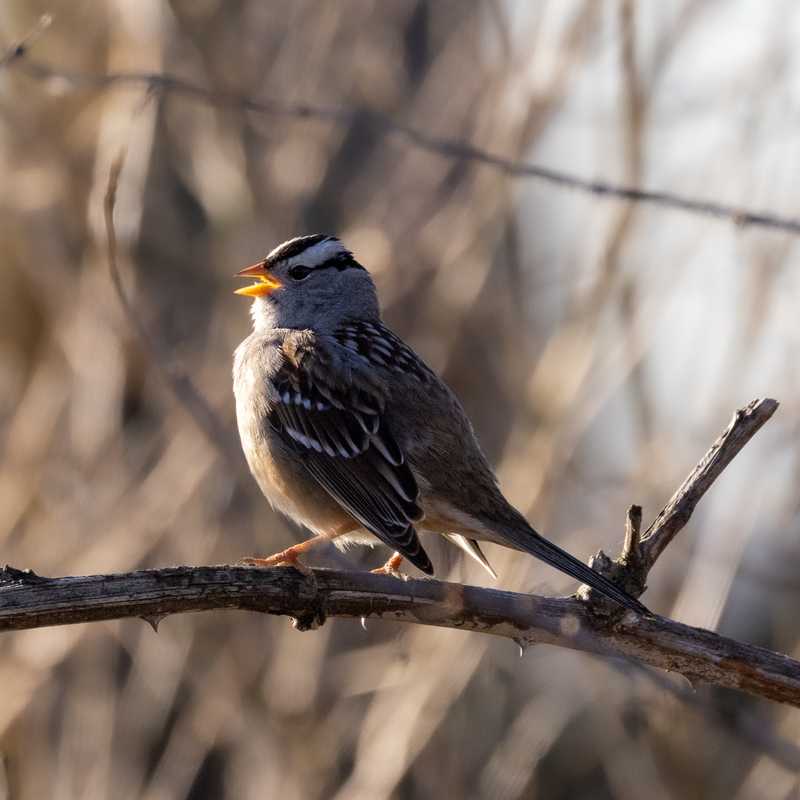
(283, 559)
(391, 567)
(395, 573)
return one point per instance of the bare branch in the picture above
(29, 601)
(641, 551)
(673, 517)
(17, 57)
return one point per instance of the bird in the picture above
(349, 433)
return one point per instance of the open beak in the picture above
(265, 283)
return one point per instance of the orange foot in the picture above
(391, 567)
(289, 557)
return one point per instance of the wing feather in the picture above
(335, 421)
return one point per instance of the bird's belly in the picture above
(280, 474)
(276, 483)
(290, 490)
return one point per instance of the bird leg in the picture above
(290, 556)
(391, 567)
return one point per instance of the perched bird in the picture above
(349, 433)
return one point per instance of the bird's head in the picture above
(309, 282)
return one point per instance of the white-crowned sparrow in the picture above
(349, 433)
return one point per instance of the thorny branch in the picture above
(156, 83)
(30, 601)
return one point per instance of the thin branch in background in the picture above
(181, 385)
(440, 145)
(746, 724)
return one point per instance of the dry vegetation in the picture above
(599, 347)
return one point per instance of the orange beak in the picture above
(265, 283)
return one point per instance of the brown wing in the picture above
(336, 424)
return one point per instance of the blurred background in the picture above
(599, 347)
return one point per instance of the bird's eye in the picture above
(299, 272)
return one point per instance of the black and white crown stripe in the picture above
(316, 252)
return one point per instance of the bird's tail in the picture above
(526, 539)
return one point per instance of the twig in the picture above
(181, 385)
(443, 146)
(633, 527)
(745, 424)
(640, 551)
(28, 601)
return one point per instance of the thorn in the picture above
(364, 623)
(153, 620)
(523, 646)
(308, 621)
